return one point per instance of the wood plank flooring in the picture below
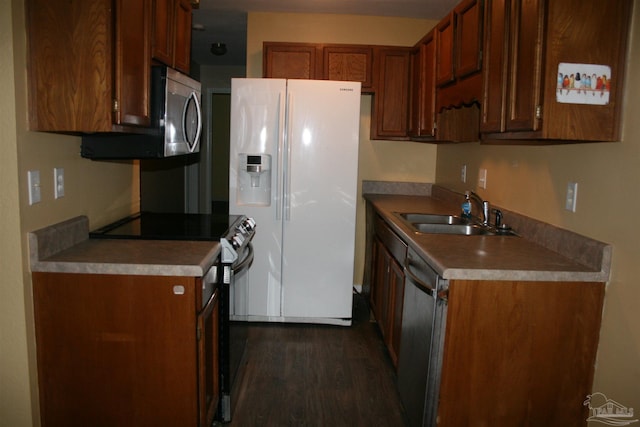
(311, 375)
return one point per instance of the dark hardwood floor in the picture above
(311, 375)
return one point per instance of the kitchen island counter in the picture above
(66, 248)
(541, 252)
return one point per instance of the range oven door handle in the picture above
(246, 262)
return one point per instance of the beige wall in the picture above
(378, 160)
(104, 191)
(533, 181)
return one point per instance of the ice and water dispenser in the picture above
(254, 179)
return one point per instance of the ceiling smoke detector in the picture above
(218, 49)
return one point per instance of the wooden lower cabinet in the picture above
(387, 286)
(120, 350)
(519, 353)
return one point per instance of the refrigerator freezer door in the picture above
(320, 181)
(257, 120)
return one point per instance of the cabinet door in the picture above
(133, 63)
(396, 286)
(64, 98)
(525, 66)
(391, 99)
(468, 42)
(445, 72)
(494, 75)
(350, 63)
(380, 290)
(507, 347)
(423, 88)
(290, 60)
(116, 350)
(182, 48)
(163, 12)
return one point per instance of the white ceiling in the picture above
(225, 21)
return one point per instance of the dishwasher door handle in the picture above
(428, 288)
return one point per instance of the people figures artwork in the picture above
(583, 84)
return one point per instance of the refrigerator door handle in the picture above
(279, 154)
(287, 171)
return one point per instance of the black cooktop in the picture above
(167, 226)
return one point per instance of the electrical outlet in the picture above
(482, 178)
(572, 196)
(58, 182)
(463, 173)
(33, 178)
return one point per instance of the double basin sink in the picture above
(450, 224)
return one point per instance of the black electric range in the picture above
(169, 226)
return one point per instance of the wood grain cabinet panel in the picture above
(525, 42)
(445, 72)
(94, 82)
(391, 100)
(182, 49)
(469, 25)
(513, 347)
(349, 63)
(423, 88)
(387, 286)
(171, 33)
(116, 350)
(291, 60)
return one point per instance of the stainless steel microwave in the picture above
(176, 123)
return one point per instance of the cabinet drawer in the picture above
(391, 241)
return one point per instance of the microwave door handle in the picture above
(191, 146)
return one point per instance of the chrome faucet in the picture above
(484, 205)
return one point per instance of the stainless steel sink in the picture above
(422, 218)
(462, 229)
(449, 224)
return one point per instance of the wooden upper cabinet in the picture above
(318, 61)
(525, 45)
(468, 50)
(133, 63)
(350, 63)
(459, 56)
(291, 60)
(445, 72)
(182, 51)
(423, 88)
(163, 13)
(390, 119)
(99, 83)
(171, 38)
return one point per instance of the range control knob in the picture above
(237, 240)
(249, 223)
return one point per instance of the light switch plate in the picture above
(463, 173)
(33, 179)
(482, 178)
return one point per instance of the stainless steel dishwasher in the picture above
(418, 362)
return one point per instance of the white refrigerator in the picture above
(293, 168)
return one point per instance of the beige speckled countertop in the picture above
(527, 258)
(66, 248)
